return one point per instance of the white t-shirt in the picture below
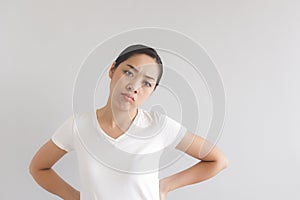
(123, 168)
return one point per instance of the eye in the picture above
(128, 73)
(147, 84)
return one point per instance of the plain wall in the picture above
(255, 45)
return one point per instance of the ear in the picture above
(112, 70)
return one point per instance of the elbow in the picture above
(223, 162)
(31, 169)
(35, 168)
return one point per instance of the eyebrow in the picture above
(135, 69)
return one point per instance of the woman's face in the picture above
(133, 81)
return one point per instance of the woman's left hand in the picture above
(162, 196)
(163, 189)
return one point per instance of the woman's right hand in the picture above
(75, 195)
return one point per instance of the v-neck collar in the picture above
(123, 136)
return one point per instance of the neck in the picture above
(115, 118)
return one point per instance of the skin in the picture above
(115, 118)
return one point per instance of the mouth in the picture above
(128, 97)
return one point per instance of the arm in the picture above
(212, 162)
(46, 177)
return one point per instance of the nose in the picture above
(132, 87)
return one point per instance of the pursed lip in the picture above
(128, 95)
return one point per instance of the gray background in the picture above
(255, 45)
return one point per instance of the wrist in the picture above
(165, 185)
(73, 195)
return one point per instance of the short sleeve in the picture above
(173, 132)
(63, 136)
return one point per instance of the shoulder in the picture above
(151, 117)
(82, 116)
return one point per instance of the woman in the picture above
(134, 76)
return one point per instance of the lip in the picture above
(129, 96)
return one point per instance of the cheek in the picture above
(117, 81)
(145, 94)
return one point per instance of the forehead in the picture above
(143, 63)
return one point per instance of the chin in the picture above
(121, 104)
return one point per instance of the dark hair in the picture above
(140, 49)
